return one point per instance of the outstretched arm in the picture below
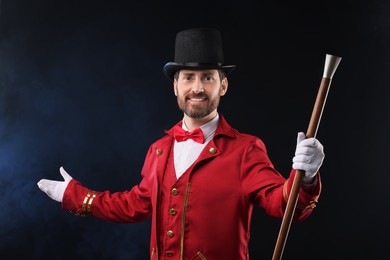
(126, 206)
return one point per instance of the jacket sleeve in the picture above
(269, 189)
(133, 205)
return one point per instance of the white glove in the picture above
(55, 189)
(309, 155)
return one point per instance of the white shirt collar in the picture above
(208, 129)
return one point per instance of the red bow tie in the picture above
(182, 135)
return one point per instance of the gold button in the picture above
(172, 211)
(158, 152)
(174, 191)
(212, 150)
(170, 233)
(168, 253)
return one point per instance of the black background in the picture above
(81, 86)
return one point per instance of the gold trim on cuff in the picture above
(312, 204)
(87, 203)
(90, 202)
(83, 208)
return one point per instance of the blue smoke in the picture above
(72, 100)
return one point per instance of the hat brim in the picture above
(171, 67)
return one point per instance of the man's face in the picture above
(198, 92)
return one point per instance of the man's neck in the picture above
(193, 123)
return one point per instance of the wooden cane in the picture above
(331, 63)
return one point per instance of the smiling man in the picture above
(201, 180)
(198, 94)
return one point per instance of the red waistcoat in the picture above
(171, 210)
(211, 203)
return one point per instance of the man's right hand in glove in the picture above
(55, 189)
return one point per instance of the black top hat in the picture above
(197, 49)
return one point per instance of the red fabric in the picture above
(169, 201)
(232, 174)
(181, 135)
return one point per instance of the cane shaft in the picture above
(297, 183)
(318, 108)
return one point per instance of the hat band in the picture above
(200, 64)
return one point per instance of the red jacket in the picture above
(232, 174)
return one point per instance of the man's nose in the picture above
(197, 87)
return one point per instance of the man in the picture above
(201, 180)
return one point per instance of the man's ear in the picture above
(224, 86)
(175, 86)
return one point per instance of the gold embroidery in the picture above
(312, 205)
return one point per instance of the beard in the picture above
(198, 111)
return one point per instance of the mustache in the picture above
(199, 95)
